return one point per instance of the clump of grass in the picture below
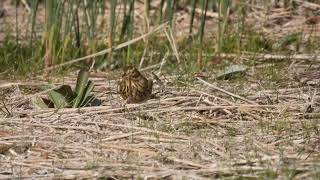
(273, 76)
(18, 59)
(268, 174)
(256, 42)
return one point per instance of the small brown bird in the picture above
(133, 86)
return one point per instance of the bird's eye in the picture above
(135, 72)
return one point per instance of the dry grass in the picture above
(264, 126)
(193, 131)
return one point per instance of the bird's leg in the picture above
(161, 84)
(162, 87)
(129, 100)
(130, 87)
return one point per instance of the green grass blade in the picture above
(203, 19)
(38, 102)
(170, 11)
(58, 99)
(131, 30)
(81, 85)
(112, 20)
(66, 92)
(161, 11)
(86, 94)
(194, 6)
(34, 10)
(126, 19)
(202, 27)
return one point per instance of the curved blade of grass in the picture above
(81, 85)
(58, 99)
(86, 94)
(38, 102)
(66, 91)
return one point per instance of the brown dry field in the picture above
(265, 126)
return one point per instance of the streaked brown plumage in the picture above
(133, 86)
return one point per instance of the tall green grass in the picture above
(71, 30)
(204, 8)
